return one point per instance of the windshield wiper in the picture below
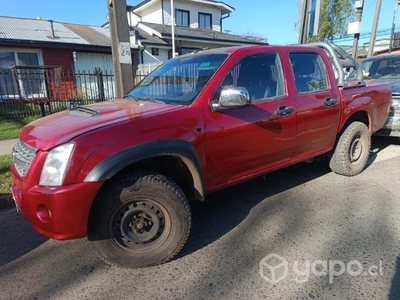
(129, 96)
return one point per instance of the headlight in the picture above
(54, 168)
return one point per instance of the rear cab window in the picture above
(309, 72)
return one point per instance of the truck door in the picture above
(247, 140)
(317, 104)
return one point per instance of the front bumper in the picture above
(59, 213)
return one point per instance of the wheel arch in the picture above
(360, 116)
(175, 158)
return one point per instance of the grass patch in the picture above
(9, 129)
(5, 174)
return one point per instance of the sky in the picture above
(271, 19)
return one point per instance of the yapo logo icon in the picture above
(273, 268)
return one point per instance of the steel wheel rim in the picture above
(356, 150)
(139, 225)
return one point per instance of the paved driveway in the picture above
(299, 233)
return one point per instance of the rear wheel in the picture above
(352, 150)
(140, 220)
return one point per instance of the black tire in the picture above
(352, 150)
(140, 220)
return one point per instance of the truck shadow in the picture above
(225, 210)
(17, 237)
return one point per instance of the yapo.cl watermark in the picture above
(274, 268)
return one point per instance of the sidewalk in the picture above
(6, 146)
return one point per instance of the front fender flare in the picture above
(181, 149)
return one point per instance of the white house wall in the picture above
(150, 62)
(194, 10)
(148, 58)
(152, 14)
(133, 19)
(85, 64)
(90, 61)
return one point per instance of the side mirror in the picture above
(231, 97)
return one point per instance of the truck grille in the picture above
(22, 157)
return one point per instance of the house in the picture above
(198, 25)
(43, 59)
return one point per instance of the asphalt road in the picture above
(299, 233)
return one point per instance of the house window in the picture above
(19, 82)
(155, 51)
(182, 17)
(204, 20)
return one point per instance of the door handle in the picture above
(330, 102)
(284, 111)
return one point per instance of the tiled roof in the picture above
(37, 30)
(201, 34)
(34, 30)
(146, 38)
(96, 36)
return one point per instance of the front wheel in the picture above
(140, 220)
(352, 150)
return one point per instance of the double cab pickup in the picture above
(123, 173)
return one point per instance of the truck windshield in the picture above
(179, 80)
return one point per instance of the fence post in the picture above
(48, 92)
(100, 83)
(14, 74)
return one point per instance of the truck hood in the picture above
(60, 128)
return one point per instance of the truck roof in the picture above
(232, 49)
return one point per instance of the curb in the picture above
(6, 201)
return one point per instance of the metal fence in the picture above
(42, 90)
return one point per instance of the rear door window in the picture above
(309, 72)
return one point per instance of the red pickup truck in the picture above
(123, 172)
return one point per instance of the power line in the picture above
(349, 37)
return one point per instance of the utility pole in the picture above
(121, 46)
(397, 2)
(359, 6)
(304, 22)
(374, 28)
(173, 28)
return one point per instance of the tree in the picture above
(334, 16)
(255, 36)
